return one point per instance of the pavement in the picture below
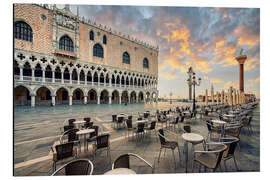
(32, 156)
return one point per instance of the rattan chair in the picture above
(212, 130)
(76, 167)
(71, 121)
(92, 136)
(139, 130)
(161, 119)
(63, 151)
(114, 120)
(123, 161)
(120, 121)
(174, 122)
(211, 157)
(166, 144)
(152, 128)
(87, 119)
(102, 142)
(129, 127)
(88, 125)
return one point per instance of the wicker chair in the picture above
(161, 120)
(71, 137)
(120, 121)
(87, 119)
(212, 129)
(114, 120)
(211, 157)
(63, 151)
(88, 125)
(152, 128)
(68, 127)
(174, 123)
(129, 127)
(76, 167)
(187, 128)
(102, 142)
(247, 123)
(123, 161)
(166, 144)
(92, 136)
(71, 121)
(139, 129)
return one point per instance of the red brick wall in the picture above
(42, 29)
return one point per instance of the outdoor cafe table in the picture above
(193, 139)
(120, 171)
(221, 124)
(84, 132)
(79, 124)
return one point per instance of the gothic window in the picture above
(104, 39)
(98, 51)
(126, 58)
(91, 35)
(66, 43)
(145, 63)
(23, 31)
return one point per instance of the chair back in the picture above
(130, 117)
(129, 123)
(140, 127)
(139, 119)
(121, 162)
(161, 136)
(87, 119)
(68, 127)
(153, 125)
(114, 117)
(177, 119)
(102, 141)
(64, 150)
(182, 118)
(187, 129)
(78, 167)
(219, 155)
(88, 125)
(120, 119)
(231, 147)
(209, 125)
(72, 136)
(71, 121)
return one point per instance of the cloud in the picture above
(229, 84)
(216, 80)
(257, 80)
(168, 75)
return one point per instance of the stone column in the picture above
(234, 97)
(120, 96)
(43, 75)
(33, 98)
(92, 80)
(53, 76)
(70, 78)
(85, 99)
(206, 97)
(21, 73)
(110, 81)
(241, 61)
(53, 100)
(129, 99)
(78, 79)
(33, 75)
(62, 77)
(98, 99)
(70, 100)
(110, 99)
(213, 101)
(85, 79)
(222, 97)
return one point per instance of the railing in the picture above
(57, 80)
(48, 79)
(89, 82)
(27, 78)
(39, 79)
(101, 84)
(66, 81)
(74, 81)
(16, 77)
(82, 82)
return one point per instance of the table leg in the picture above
(84, 143)
(186, 153)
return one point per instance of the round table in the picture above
(193, 139)
(84, 132)
(142, 121)
(120, 171)
(79, 124)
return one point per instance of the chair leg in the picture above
(235, 163)
(225, 165)
(219, 168)
(159, 154)
(174, 159)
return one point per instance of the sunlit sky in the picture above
(207, 39)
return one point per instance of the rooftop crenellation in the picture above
(108, 29)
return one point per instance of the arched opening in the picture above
(115, 97)
(43, 96)
(104, 39)
(101, 78)
(126, 58)
(48, 72)
(66, 43)
(82, 76)
(133, 97)
(122, 80)
(131, 81)
(91, 35)
(113, 80)
(127, 81)
(104, 97)
(117, 79)
(143, 83)
(147, 96)
(140, 97)
(139, 82)
(89, 77)
(23, 31)
(124, 98)
(57, 74)
(27, 71)
(77, 96)
(38, 71)
(95, 77)
(74, 76)
(98, 51)
(62, 96)
(92, 97)
(107, 79)
(21, 96)
(66, 74)
(135, 82)
(16, 68)
(145, 63)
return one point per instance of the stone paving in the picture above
(32, 156)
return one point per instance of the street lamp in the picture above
(194, 83)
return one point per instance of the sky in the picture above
(208, 39)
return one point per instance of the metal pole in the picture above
(194, 97)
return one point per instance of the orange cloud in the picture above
(168, 75)
(245, 37)
(215, 80)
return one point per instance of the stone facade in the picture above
(49, 74)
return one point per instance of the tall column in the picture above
(92, 80)
(62, 77)
(213, 100)
(230, 96)
(129, 99)
(43, 75)
(110, 99)
(21, 73)
(222, 97)
(70, 78)
(53, 76)
(241, 61)
(33, 75)
(33, 98)
(85, 99)
(206, 97)
(53, 100)
(78, 79)
(85, 79)
(98, 99)
(70, 100)
(110, 81)
(217, 97)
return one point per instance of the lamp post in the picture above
(189, 82)
(194, 83)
